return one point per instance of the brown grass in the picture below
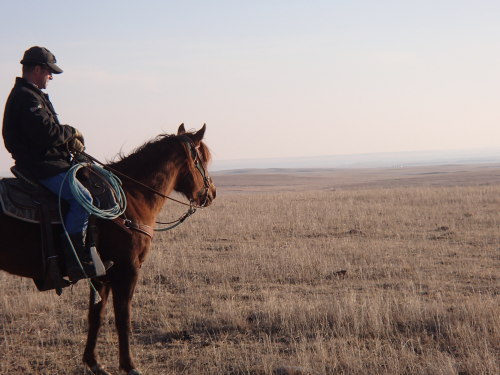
(400, 280)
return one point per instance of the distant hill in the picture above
(302, 179)
(371, 160)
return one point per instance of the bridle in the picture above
(194, 153)
(207, 181)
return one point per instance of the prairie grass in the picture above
(367, 281)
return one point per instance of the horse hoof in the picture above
(98, 370)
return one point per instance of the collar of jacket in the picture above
(25, 83)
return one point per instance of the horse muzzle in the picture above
(208, 194)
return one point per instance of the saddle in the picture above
(22, 198)
(25, 199)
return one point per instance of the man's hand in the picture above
(79, 136)
(76, 145)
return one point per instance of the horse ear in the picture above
(198, 136)
(181, 129)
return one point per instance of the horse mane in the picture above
(143, 160)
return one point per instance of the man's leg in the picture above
(75, 222)
(77, 218)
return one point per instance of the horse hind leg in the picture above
(95, 316)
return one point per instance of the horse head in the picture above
(194, 181)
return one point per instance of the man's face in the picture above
(41, 77)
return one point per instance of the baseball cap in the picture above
(41, 56)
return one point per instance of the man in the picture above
(40, 146)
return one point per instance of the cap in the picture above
(41, 56)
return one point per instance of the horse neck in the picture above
(156, 173)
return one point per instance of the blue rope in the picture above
(112, 213)
(114, 182)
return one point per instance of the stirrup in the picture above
(100, 268)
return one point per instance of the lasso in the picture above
(115, 185)
(118, 208)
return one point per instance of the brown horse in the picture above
(169, 162)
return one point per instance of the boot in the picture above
(89, 259)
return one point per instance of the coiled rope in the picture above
(114, 183)
(116, 210)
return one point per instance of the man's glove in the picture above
(76, 145)
(79, 136)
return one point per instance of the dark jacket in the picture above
(32, 133)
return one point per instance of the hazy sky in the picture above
(271, 78)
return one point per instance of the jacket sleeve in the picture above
(40, 126)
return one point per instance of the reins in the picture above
(172, 224)
(150, 189)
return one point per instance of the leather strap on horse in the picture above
(51, 275)
(129, 226)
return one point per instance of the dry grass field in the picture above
(334, 272)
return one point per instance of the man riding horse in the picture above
(41, 147)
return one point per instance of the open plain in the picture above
(376, 271)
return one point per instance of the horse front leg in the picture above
(123, 291)
(96, 314)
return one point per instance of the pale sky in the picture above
(271, 78)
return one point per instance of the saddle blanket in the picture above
(22, 200)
